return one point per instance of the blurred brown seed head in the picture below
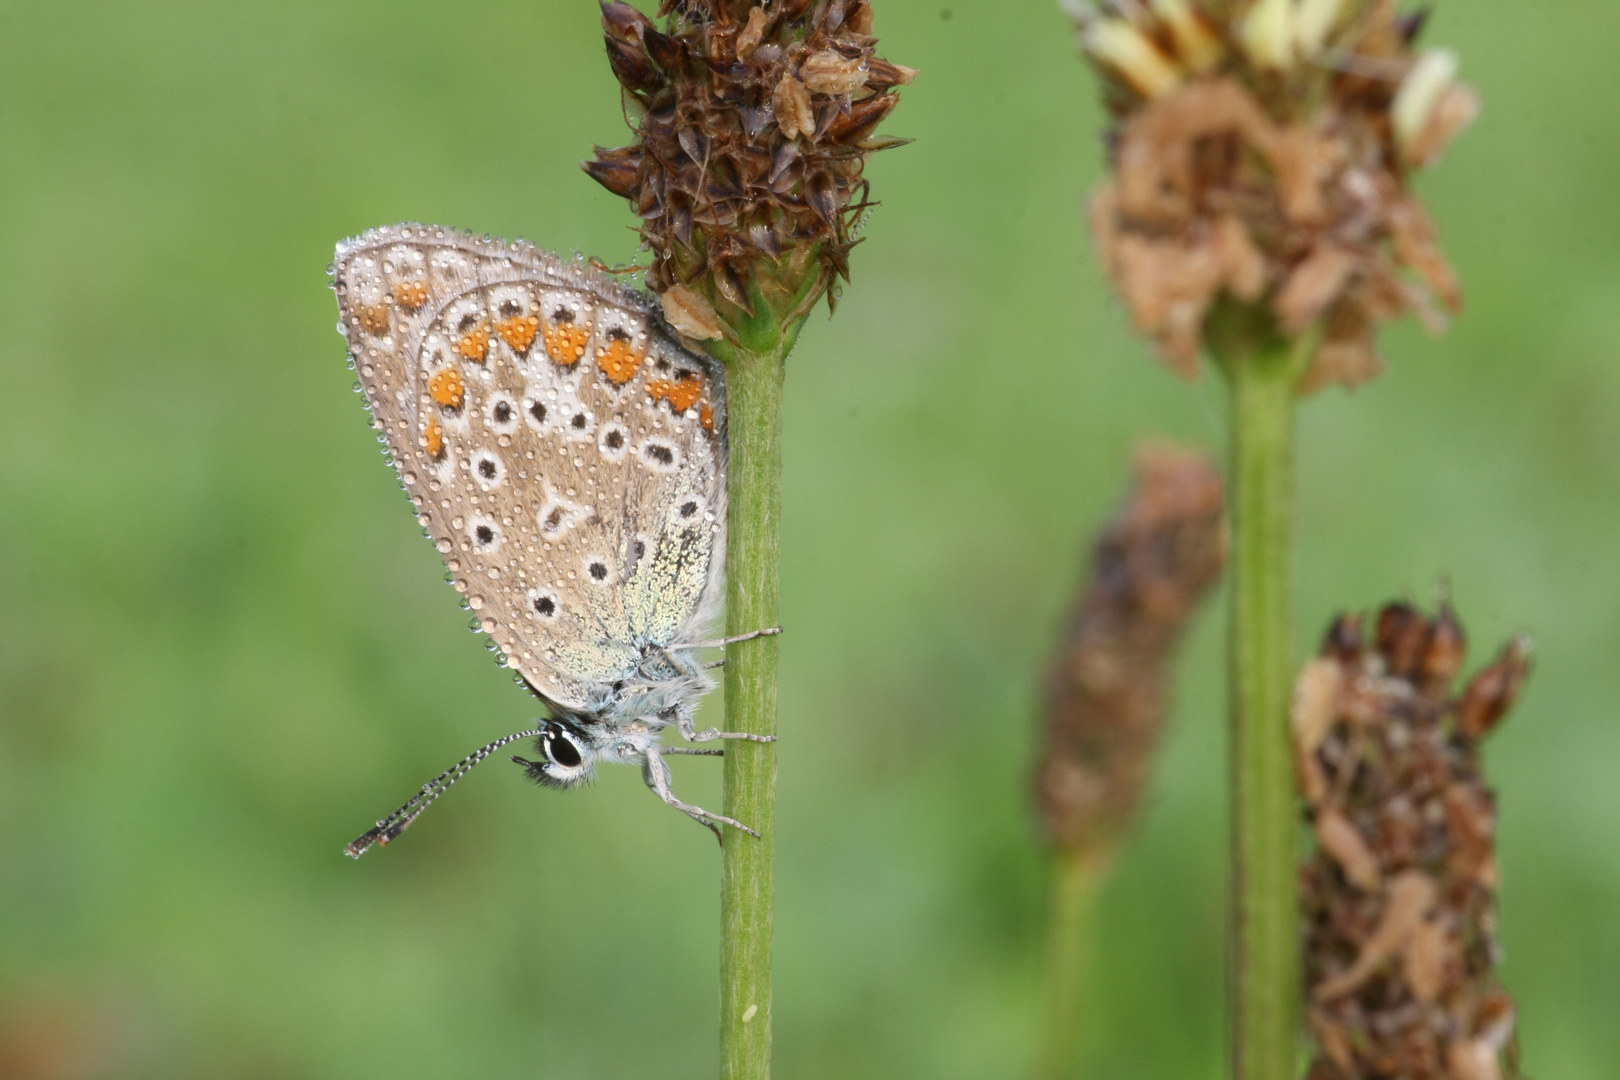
(753, 123)
(1400, 895)
(1105, 697)
(1261, 151)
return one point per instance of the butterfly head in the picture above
(567, 757)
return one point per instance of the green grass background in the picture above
(225, 648)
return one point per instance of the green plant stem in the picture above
(1070, 942)
(1265, 980)
(753, 547)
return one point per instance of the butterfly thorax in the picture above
(650, 694)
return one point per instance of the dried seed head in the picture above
(1281, 130)
(1399, 897)
(753, 123)
(1106, 689)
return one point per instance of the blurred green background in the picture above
(225, 648)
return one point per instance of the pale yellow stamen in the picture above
(1117, 44)
(1267, 33)
(1420, 92)
(1197, 46)
(1313, 22)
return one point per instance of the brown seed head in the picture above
(1106, 689)
(753, 123)
(1399, 896)
(1261, 152)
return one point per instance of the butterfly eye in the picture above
(561, 749)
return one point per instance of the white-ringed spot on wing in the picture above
(597, 570)
(488, 471)
(661, 455)
(544, 604)
(557, 514)
(484, 532)
(578, 424)
(537, 411)
(503, 414)
(615, 441)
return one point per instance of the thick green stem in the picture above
(1070, 942)
(753, 548)
(1265, 979)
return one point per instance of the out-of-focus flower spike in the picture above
(1420, 93)
(1400, 904)
(1196, 44)
(1131, 55)
(1314, 20)
(1267, 33)
(1108, 687)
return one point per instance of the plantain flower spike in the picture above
(1399, 898)
(1261, 153)
(753, 123)
(1109, 684)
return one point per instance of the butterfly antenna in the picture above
(388, 829)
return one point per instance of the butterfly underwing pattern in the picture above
(567, 456)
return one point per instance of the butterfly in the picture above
(566, 454)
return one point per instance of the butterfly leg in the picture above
(769, 631)
(656, 773)
(689, 731)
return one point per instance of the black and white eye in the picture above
(488, 471)
(563, 750)
(567, 757)
(485, 533)
(660, 455)
(615, 442)
(597, 570)
(544, 605)
(503, 414)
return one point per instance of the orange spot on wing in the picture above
(411, 294)
(519, 331)
(619, 361)
(681, 394)
(565, 342)
(706, 416)
(374, 317)
(433, 441)
(474, 344)
(447, 388)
